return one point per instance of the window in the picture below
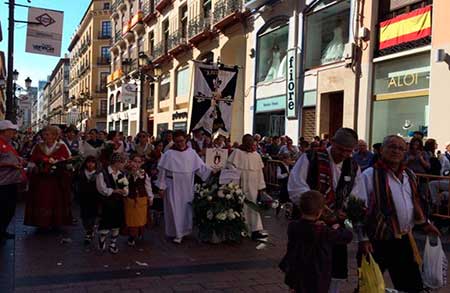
(151, 97)
(110, 126)
(103, 80)
(272, 47)
(105, 53)
(125, 127)
(117, 126)
(106, 29)
(140, 43)
(166, 34)
(103, 107)
(183, 21)
(183, 82)
(118, 102)
(151, 43)
(164, 88)
(111, 104)
(327, 32)
(207, 6)
(399, 116)
(106, 6)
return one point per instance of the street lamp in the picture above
(28, 82)
(15, 75)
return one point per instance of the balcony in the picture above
(101, 114)
(227, 13)
(126, 27)
(161, 4)
(160, 53)
(148, 8)
(104, 60)
(83, 70)
(104, 35)
(200, 29)
(177, 43)
(120, 4)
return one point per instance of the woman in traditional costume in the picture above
(177, 169)
(140, 196)
(49, 197)
(250, 165)
(112, 145)
(113, 186)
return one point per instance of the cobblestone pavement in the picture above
(44, 264)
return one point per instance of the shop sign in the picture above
(271, 104)
(291, 85)
(177, 115)
(405, 80)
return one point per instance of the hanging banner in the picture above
(405, 28)
(212, 103)
(291, 84)
(129, 92)
(44, 32)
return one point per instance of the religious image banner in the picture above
(213, 96)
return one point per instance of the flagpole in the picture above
(10, 111)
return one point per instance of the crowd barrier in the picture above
(436, 191)
(270, 175)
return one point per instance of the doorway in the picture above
(331, 112)
(336, 112)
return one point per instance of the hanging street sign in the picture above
(44, 31)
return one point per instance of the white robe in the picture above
(252, 180)
(176, 177)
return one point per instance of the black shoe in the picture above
(113, 249)
(259, 235)
(102, 245)
(131, 242)
(8, 236)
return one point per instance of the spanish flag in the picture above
(405, 28)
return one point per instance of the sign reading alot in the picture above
(405, 28)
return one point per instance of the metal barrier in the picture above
(270, 175)
(436, 190)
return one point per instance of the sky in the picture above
(38, 67)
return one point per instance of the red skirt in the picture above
(48, 202)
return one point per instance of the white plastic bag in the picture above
(434, 271)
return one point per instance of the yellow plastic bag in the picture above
(370, 277)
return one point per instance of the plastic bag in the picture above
(434, 270)
(370, 277)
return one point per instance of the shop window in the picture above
(125, 127)
(117, 126)
(183, 82)
(118, 102)
(327, 32)
(271, 52)
(164, 88)
(399, 116)
(161, 128)
(179, 126)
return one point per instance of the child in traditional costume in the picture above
(113, 186)
(88, 196)
(140, 196)
(308, 261)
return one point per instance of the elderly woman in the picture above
(143, 148)
(48, 201)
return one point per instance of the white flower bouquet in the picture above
(218, 211)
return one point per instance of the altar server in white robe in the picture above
(249, 163)
(177, 169)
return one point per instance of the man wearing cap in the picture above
(11, 174)
(336, 175)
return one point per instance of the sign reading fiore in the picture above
(291, 85)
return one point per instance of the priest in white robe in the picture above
(177, 169)
(249, 163)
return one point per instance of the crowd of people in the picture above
(116, 179)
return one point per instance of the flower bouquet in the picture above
(218, 211)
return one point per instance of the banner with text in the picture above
(212, 103)
(129, 93)
(44, 31)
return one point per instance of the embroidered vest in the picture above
(382, 216)
(320, 178)
(136, 188)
